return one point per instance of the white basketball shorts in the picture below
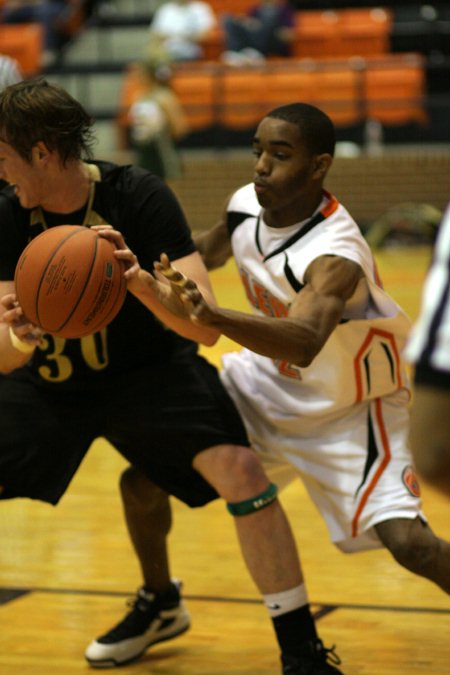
(356, 467)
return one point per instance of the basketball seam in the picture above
(113, 308)
(55, 251)
(86, 283)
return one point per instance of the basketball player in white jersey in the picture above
(320, 383)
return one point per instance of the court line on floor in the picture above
(8, 594)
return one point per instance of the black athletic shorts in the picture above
(158, 422)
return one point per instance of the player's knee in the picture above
(141, 494)
(411, 543)
(234, 471)
(243, 464)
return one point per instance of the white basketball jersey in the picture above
(361, 359)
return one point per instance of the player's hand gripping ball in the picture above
(69, 282)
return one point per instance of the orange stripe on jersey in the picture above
(377, 277)
(384, 462)
(332, 205)
(365, 348)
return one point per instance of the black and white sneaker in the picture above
(152, 619)
(314, 660)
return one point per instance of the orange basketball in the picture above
(68, 281)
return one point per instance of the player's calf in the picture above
(414, 546)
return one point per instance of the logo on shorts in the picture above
(411, 481)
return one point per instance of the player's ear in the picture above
(40, 152)
(321, 164)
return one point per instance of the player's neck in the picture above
(68, 189)
(293, 213)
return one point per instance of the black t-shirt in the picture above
(145, 210)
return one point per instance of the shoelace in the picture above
(331, 656)
(141, 602)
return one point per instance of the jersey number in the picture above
(59, 366)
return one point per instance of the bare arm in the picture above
(14, 327)
(214, 245)
(298, 338)
(163, 297)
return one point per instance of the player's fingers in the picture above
(193, 294)
(9, 300)
(169, 272)
(126, 255)
(105, 226)
(175, 276)
(108, 232)
(166, 268)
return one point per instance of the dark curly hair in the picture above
(316, 128)
(35, 111)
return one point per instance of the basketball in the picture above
(68, 281)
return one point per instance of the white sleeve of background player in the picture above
(431, 334)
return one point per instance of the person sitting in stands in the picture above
(179, 25)
(266, 30)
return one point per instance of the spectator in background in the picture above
(180, 25)
(45, 12)
(156, 121)
(429, 350)
(266, 30)
(10, 71)
(53, 15)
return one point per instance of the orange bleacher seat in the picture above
(195, 86)
(287, 84)
(23, 42)
(246, 95)
(336, 91)
(342, 33)
(388, 88)
(395, 89)
(364, 31)
(213, 44)
(232, 6)
(333, 88)
(241, 94)
(316, 34)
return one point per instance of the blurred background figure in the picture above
(266, 30)
(180, 25)
(151, 119)
(60, 20)
(429, 350)
(10, 71)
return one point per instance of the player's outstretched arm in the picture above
(158, 295)
(297, 338)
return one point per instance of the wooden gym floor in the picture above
(66, 573)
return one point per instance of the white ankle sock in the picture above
(286, 601)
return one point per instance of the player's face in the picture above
(22, 174)
(286, 181)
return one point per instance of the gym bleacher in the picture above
(358, 61)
